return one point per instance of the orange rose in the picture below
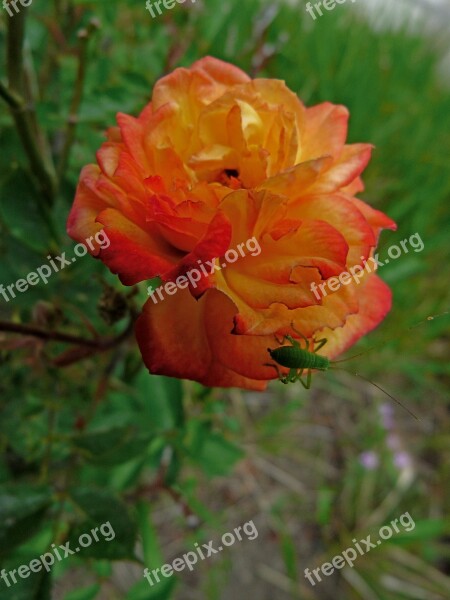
(215, 160)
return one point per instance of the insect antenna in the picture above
(381, 344)
(378, 387)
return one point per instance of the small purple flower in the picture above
(393, 442)
(369, 460)
(402, 460)
(387, 416)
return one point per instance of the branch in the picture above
(99, 344)
(40, 162)
(14, 57)
(72, 120)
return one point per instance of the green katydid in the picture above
(298, 359)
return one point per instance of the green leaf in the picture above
(102, 568)
(22, 211)
(289, 553)
(159, 591)
(100, 507)
(425, 530)
(153, 559)
(215, 454)
(163, 401)
(87, 593)
(22, 509)
(324, 505)
(113, 446)
(37, 586)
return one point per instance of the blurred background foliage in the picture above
(169, 463)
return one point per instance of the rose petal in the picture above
(206, 323)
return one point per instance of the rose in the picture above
(217, 159)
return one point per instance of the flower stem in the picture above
(23, 112)
(72, 119)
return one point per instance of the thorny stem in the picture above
(22, 111)
(72, 119)
(147, 491)
(15, 41)
(99, 344)
(159, 485)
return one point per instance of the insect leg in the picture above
(295, 374)
(294, 342)
(307, 384)
(320, 344)
(281, 377)
(301, 335)
(288, 338)
(273, 365)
